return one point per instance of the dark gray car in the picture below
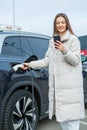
(23, 94)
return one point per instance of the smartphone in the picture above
(56, 38)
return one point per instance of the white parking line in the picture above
(84, 123)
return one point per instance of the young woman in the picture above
(66, 100)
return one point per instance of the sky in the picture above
(38, 15)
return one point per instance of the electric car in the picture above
(23, 94)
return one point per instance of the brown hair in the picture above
(68, 26)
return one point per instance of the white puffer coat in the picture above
(66, 99)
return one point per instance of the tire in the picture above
(19, 113)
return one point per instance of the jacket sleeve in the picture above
(40, 63)
(73, 55)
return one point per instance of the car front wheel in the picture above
(20, 112)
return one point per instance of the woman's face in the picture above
(61, 25)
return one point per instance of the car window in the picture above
(26, 48)
(11, 46)
(35, 45)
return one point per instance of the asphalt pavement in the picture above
(47, 124)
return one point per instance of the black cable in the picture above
(32, 82)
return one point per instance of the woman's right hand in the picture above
(25, 66)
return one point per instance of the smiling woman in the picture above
(66, 79)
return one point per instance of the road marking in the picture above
(84, 123)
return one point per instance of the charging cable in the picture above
(32, 80)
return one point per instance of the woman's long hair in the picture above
(68, 26)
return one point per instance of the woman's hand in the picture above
(60, 46)
(25, 66)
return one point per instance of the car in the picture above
(83, 41)
(23, 94)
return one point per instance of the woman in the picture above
(65, 75)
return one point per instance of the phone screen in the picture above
(56, 38)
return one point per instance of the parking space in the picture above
(46, 124)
